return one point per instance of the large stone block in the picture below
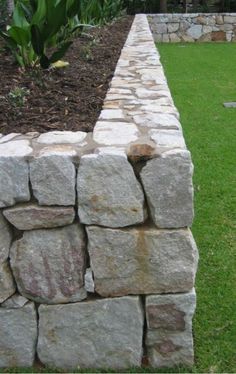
(31, 216)
(5, 238)
(18, 336)
(169, 329)
(53, 180)
(96, 334)
(14, 181)
(167, 181)
(7, 285)
(141, 260)
(108, 192)
(49, 265)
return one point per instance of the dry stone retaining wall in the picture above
(192, 27)
(97, 261)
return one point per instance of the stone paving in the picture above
(94, 229)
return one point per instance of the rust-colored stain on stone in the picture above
(218, 36)
(165, 316)
(141, 152)
(166, 348)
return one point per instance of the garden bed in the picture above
(62, 99)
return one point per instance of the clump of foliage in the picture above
(99, 11)
(37, 26)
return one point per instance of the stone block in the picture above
(169, 329)
(31, 216)
(5, 238)
(141, 260)
(14, 302)
(160, 28)
(195, 31)
(14, 181)
(49, 265)
(104, 334)
(218, 36)
(230, 19)
(173, 27)
(18, 336)
(174, 38)
(53, 180)
(108, 192)
(167, 182)
(7, 284)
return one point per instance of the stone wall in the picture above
(193, 27)
(97, 259)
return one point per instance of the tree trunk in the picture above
(163, 6)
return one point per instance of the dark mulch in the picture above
(62, 99)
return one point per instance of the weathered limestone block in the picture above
(96, 334)
(7, 285)
(141, 260)
(18, 336)
(5, 238)
(173, 27)
(62, 137)
(108, 191)
(218, 36)
(230, 19)
(167, 182)
(14, 181)
(169, 329)
(49, 265)
(195, 31)
(168, 138)
(31, 216)
(53, 180)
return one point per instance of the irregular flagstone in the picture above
(115, 133)
(53, 180)
(5, 238)
(62, 137)
(18, 336)
(14, 181)
(49, 265)
(169, 338)
(157, 120)
(108, 192)
(141, 260)
(7, 285)
(31, 216)
(168, 138)
(89, 282)
(104, 334)
(167, 182)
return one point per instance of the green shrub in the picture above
(38, 25)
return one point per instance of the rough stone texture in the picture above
(193, 27)
(62, 137)
(49, 265)
(141, 260)
(169, 329)
(96, 334)
(5, 238)
(115, 133)
(31, 216)
(14, 302)
(7, 285)
(53, 180)
(14, 181)
(18, 336)
(167, 181)
(108, 192)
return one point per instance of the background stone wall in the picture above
(97, 261)
(192, 27)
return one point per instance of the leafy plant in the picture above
(18, 95)
(38, 25)
(99, 11)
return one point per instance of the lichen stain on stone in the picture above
(166, 316)
(166, 348)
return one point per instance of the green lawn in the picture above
(201, 77)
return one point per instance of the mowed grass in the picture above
(201, 78)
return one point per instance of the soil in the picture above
(68, 98)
